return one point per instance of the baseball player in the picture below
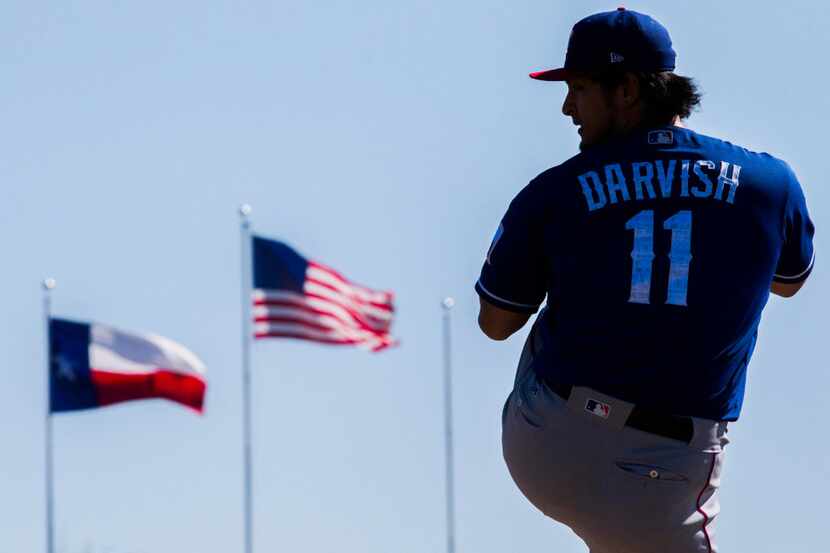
(657, 248)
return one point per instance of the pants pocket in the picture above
(651, 472)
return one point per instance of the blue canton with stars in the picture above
(70, 386)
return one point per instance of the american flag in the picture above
(298, 298)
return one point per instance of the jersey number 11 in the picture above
(642, 256)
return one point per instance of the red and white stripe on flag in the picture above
(330, 310)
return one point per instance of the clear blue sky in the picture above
(385, 139)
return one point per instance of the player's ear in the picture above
(628, 91)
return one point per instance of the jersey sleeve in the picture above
(797, 255)
(513, 276)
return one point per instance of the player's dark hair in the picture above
(666, 95)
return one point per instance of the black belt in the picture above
(675, 427)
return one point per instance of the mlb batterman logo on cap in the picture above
(621, 39)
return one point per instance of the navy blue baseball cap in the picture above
(621, 39)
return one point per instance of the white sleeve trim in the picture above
(802, 273)
(491, 294)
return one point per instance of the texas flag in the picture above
(93, 365)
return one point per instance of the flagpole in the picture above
(48, 286)
(245, 236)
(447, 305)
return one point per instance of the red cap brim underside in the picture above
(560, 74)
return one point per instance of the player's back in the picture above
(659, 252)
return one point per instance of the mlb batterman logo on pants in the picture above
(598, 408)
(638, 361)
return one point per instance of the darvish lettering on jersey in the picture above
(649, 180)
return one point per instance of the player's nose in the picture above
(568, 105)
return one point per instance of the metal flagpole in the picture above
(48, 286)
(448, 304)
(245, 233)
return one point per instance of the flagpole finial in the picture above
(245, 210)
(49, 283)
(448, 303)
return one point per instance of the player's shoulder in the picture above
(539, 195)
(554, 186)
(568, 168)
(767, 163)
(547, 182)
(760, 170)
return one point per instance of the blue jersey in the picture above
(656, 253)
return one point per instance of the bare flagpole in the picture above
(245, 235)
(447, 305)
(48, 286)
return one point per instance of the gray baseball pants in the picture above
(620, 489)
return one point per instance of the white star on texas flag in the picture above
(65, 368)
